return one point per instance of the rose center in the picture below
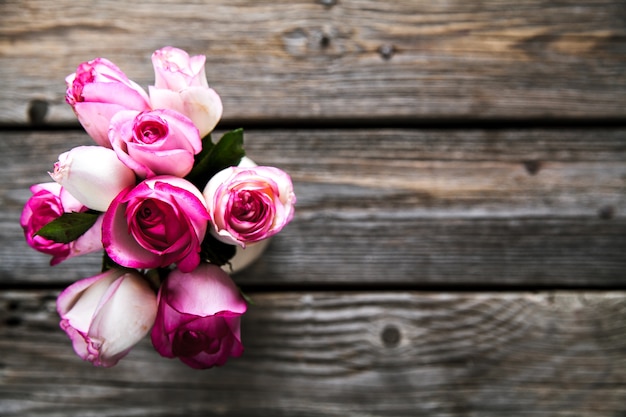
(155, 226)
(188, 343)
(149, 129)
(248, 207)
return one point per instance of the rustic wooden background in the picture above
(459, 247)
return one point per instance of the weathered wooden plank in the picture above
(343, 354)
(418, 207)
(326, 60)
(366, 251)
(536, 172)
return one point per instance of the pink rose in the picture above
(48, 202)
(159, 142)
(198, 318)
(249, 204)
(92, 174)
(106, 315)
(159, 222)
(99, 89)
(175, 70)
(181, 85)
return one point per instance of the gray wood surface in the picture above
(341, 59)
(459, 245)
(343, 354)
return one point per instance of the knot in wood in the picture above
(37, 111)
(325, 42)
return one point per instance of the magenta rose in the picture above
(158, 142)
(198, 318)
(106, 315)
(48, 202)
(99, 89)
(181, 84)
(249, 204)
(159, 222)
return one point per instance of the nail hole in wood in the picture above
(606, 212)
(324, 41)
(327, 3)
(387, 51)
(390, 336)
(532, 166)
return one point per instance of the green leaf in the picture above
(215, 251)
(201, 160)
(156, 276)
(68, 227)
(246, 297)
(108, 263)
(227, 152)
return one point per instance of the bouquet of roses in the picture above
(171, 209)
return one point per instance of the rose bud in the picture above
(99, 89)
(159, 142)
(198, 317)
(92, 174)
(175, 70)
(159, 222)
(181, 85)
(249, 204)
(106, 315)
(48, 202)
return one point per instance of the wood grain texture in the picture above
(353, 59)
(343, 354)
(473, 270)
(396, 206)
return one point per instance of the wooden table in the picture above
(459, 247)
